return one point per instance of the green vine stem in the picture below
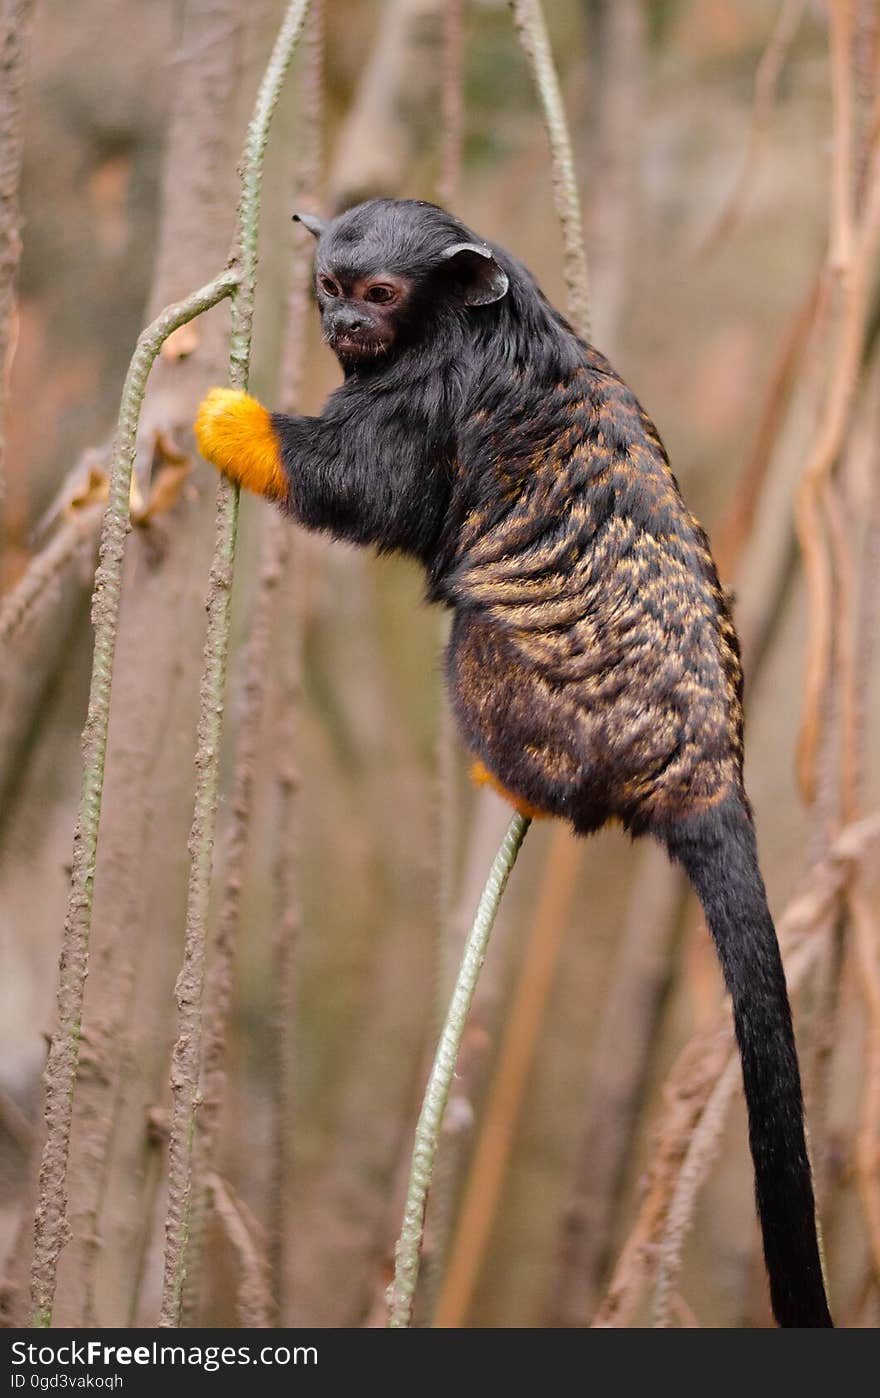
(401, 1292)
(186, 1059)
(50, 1223)
(528, 17)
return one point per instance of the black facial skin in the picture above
(360, 317)
(593, 665)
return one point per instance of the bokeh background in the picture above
(707, 151)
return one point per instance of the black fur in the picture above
(593, 665)
(718, 852)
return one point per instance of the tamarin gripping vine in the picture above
(593, 666)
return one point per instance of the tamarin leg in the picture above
(481, 776)
(235, 433)
(718, 852)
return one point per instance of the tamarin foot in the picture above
(234, 432)
(481, 776)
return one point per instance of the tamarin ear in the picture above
(484, 281)
(315, 226)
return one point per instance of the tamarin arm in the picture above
(363, 474)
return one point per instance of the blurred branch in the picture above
(50, 1226)
(401, 1293)
(187, 1052)
(737, 525)
(615, 151)
(451, 101)
(254, 1291)
(15, 35)
(374, 144)
(857, 275)
(529, 20)
(867, 939)
(75, 540)
(841, 20)
(37, 621)
(767, 77)
(700, 1155)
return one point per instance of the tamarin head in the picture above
(382, 264)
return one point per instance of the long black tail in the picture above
(719, 854)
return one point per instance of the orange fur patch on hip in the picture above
(234, 432)
(481, 776)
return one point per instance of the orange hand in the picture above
(234, 432)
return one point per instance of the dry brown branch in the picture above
(39, 617)
(684, 1314)
(866, 930)
(255, 1306)
(15, 1123)
(841, 17)
(75, 542)
(856, 278)
(688, 1088)
(820, 1034)
(868, 89)
(864, 1303)
(15, 34)
(767, 76)
(847, 776)
(701, 1154)
(705, 1059)
(731, 538)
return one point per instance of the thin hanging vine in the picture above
(187, 1053)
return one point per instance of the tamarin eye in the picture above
(379, 293)
(328, 286)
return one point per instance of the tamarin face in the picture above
(361, 310)
(380, 273)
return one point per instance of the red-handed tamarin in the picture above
(593, 666)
